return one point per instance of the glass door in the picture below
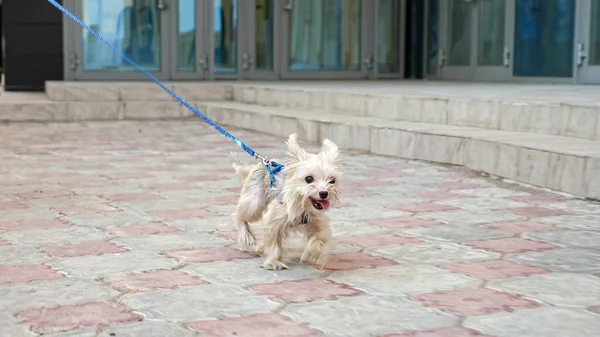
(224, 32)
(389, 25)
(477, 39)
(458, 51)
(137, 27)
(189, 53)
(587, 55)
(494, 36)
(258, 38)
(324, 39)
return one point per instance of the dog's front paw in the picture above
(276, 265)
(316, 253)
(246, 239)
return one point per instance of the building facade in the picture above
(514, 40)
(540, 41)
(234, 39)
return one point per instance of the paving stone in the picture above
(561, 289)
(455, 233)
(194, 303)
(345, 317)
(109, 264)
(520, 227)
(249, 272)
(71, 317)
(27, 225)
(403, 280)
(563, 260)
(149, 228)
(167, 242)
(491, 192)
(493, 269)
(511, 245)
(376, 240)
(355, 260)
(307, 290)
(426, 207)
(11, 326)
(402, 222)
(161, 279)
(74, 234)
(557, 322)
(471, 217)
(19, 254)
(571, 238)
(576, 222)
(85, 248)
(537, 199)
(442, 332)
(433, 253)
(26, 273)
(471, 302)
(212, 254)
(576, 206)
(103, 220)
(482, 203)
(536, 212)
(51, 293)
(267, 325)
(146, 328)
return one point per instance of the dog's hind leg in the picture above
(249, 209)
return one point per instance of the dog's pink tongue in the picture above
(324, 203)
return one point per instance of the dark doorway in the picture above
(32, 44)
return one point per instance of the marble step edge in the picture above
(51, 111)
(537, 116)
(141, 91)
(560, 163)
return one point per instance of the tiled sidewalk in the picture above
(123, 229)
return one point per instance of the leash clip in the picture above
(264, 160)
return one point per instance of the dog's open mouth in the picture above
(320, 204)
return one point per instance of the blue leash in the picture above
(272, 166)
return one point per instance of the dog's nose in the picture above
(323, 194)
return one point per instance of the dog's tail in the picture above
(242, 169)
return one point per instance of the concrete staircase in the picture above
(540, 137)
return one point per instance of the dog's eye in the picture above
(332, 181)
(309, 179)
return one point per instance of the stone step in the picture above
(540, 109)
(142, 91)
(561, 163)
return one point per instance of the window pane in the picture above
(388, 36)
(491, 32)
(225, 35)
(325, 35)
(132, 26)
(544, 38)
(264, 34)
(186, 36)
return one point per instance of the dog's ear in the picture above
(294, 149)
(329, 150)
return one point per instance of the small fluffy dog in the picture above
(297, 202)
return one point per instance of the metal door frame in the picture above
(451, 72)
(247, 41)
(372, 43)
(202, 45)
(584, 72)
(498, 72)
(284, 10)
(73, 47)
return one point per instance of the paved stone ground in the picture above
(123, 229)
